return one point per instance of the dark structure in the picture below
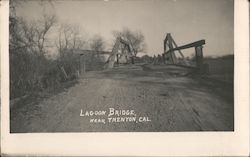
(92, 60)
(121, 53)
(170, 47)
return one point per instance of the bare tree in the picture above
(15, 25)
(42, 29)
(31, 35)
(69, 38)
(97, 43)
(135, 38)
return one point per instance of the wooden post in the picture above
(164, 44)
(64, 73)
(177, 46)
(117, 58)
(199, 57)
(163, 58)
(154, 60)
(82, 64)
(132, 59)
(170, 43)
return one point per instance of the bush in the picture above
(30, 73)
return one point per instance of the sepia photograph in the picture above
(121, 66)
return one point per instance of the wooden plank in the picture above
(64, 73)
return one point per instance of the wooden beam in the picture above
(194, 44)
(178, 50)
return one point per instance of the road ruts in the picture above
(172, 103)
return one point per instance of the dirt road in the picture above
(161, 100)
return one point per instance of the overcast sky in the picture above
(186, 20)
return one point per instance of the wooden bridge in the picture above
(115, 56)
(170, 47)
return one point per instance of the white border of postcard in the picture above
(137, 144)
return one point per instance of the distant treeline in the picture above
(231, 56)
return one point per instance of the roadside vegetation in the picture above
(43, 51)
